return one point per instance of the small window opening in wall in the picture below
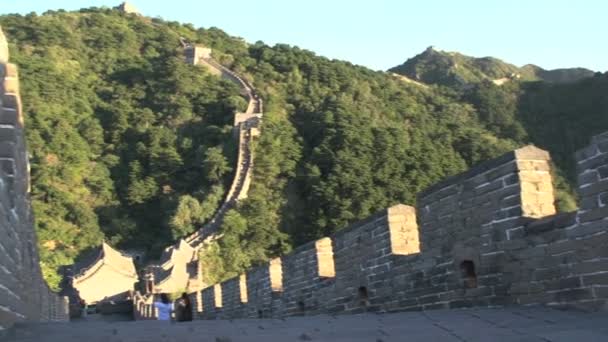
(301, 306)
(260, 314)
(363, 296)
(467, 269)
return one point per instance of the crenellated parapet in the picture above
(143, 307)
(24, 295)
(487, 237)
(484, 206)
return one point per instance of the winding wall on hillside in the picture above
(176, 273)
(247, 126)
(487, 237)
(24, 295)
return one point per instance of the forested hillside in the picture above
(130, 144)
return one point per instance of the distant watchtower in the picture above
(194, 53)
(126, 7)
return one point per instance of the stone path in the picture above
(507, 324)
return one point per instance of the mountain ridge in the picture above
(433, 66)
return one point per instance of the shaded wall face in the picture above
(23, 293)
(480, 208)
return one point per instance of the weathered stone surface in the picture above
(593, 189)
(600, 138)
(603, 197)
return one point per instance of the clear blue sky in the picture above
(383, 33)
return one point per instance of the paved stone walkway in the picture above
(508, 324)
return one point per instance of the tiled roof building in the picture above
(104, 274)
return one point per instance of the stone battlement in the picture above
(487, 237)
(24, 295)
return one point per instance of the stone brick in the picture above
(599, 138)
(9, 117)
(564, 246)
(603, 198)
(601, 292)
(573, 295)
(7, 149)
(535, 298)
(8, 133)
(600, 279)
(512, 245)
(595, 214)
(589, 177)
(11, 101)
(586, 153)
(563, 283)
(593, 162)
(603, 171)
(594, 189)
(547, 274)
(531, 252)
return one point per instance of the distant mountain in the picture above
(453, 69)
(568, 75)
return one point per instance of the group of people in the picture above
(182, 308)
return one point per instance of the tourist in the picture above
(164, 307)
(183, 311)
(83, 307)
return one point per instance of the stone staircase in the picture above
(506, 324)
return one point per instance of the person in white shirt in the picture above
(165, 308)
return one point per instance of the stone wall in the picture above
(487, 237)
(24, 296)
(246, 127)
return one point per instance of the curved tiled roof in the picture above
(174, 270)
(105, 255)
